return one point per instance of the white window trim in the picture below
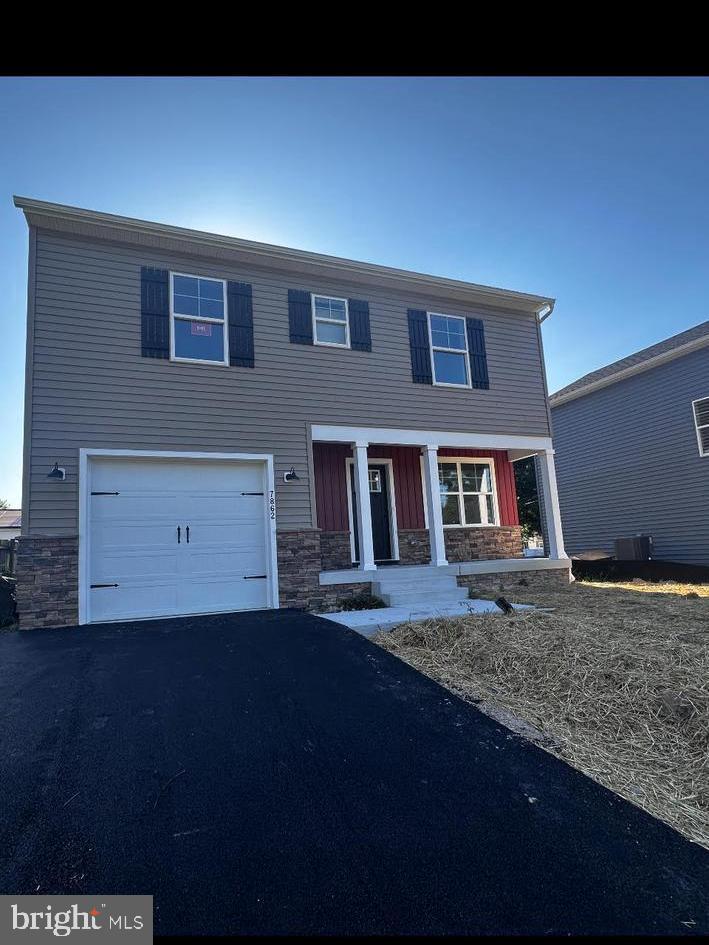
(199, 318)
(431, 349)
(393, 526)
(330, 321)
(698, 426)
(85, 468)
(490, 462)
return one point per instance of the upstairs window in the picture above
(467, 492)
(449, 350)
(701, 422)
(331, 324)
(198, 319)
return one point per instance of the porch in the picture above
(442, 501)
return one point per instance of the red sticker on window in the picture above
(199, 328)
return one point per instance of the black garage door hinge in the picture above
(105, 493)
(105, 585)
(252, 493)
(254, 577)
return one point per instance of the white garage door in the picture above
(176, 537)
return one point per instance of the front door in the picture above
(380, 502)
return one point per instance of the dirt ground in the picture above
(614, 679)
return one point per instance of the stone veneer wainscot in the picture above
(47, 588)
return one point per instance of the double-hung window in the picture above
(701, 422)
(198, 319)
(449, 350)
(467, 492)
(331, 324)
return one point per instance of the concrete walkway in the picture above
(369, 622)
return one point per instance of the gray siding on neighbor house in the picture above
(627, 461)
(90, 387)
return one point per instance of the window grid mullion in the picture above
(198, 318)
(461, 500)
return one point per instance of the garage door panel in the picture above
(121, 566)
(236, 562)
(198, 597)
(160, 475)
(129, 537)
(137, 600)
(234, 533)
(219, 507)
(137, 508)
(133, 537)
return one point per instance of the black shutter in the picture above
(360, 337)
(241, 324)
(155, 312)
(420, 349)
(300, 317)
(476, 351)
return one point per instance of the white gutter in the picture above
(549, 309)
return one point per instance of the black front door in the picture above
(379, 500)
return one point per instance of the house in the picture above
(10, 523)
(632, 450)
(204, 412)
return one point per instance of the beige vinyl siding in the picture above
(92, 388)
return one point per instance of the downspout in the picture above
(542, 314)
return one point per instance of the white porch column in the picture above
(364, 508)
(550, 497)
(433, 505)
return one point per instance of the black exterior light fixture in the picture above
(291, 475)
(58, 473)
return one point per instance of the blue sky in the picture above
(590, 190)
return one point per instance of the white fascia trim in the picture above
(561, 398)
(330, 433)
(133, 230)
(85, 453)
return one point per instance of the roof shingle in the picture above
(646, 354)
(10, 518)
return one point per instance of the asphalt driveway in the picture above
(273, 772)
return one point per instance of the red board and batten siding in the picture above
(331, 483)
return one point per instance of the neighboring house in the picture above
(632, 451)
(10, 523)
(219, 405)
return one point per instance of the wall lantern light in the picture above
(291, 475)
(58, 473)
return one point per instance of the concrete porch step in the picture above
(432, 596)
(438, 582)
